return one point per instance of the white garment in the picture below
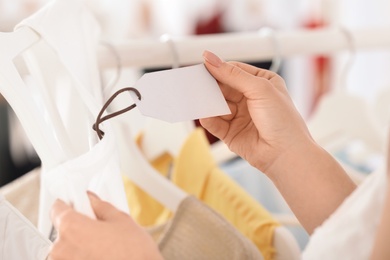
(69, 29)
(73, 33)
(71, 37)
(19, 239)
(98, 171)
(349, 233)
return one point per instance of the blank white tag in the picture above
(180, 95)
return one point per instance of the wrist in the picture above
(311, 181)
(294, 157)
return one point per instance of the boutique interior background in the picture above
(308, 77)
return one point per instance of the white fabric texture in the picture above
(69, 29)
(349, 233)
(19, 239)
(98, 171)
(71, 35)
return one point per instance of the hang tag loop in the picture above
(100, 118)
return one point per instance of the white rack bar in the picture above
(247, 47)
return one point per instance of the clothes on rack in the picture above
(195, 171)
(218, 218)
(89, 165)
(19, 239)
(96, 170)
(194, 232)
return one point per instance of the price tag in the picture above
(180, 95)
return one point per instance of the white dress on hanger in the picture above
(19, 239)
(98, 171)
(68, 28)
(349, 233)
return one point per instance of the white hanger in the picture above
(40, 65)
(17, 94)
(342, 117)
(276, 59)
(50, 129)
(160, 137)
(137, 168)
(118, 69)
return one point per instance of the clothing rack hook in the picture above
(351, 56)
(167, 38)
(277, 58)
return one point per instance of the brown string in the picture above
(101, 119)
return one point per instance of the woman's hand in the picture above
(114, 235)
(264, 123)
(266, 129)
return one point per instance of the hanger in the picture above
(45, 138)
(161, 137)
(35, 57)
(137, 168)
(71, 141)
(13, 88)
(50, 145)
(276, 59)
(118, 69)
(341, 117)
(39, 61)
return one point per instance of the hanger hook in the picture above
(114, 80)
(277, 59)
(351, 56)
(166, 38)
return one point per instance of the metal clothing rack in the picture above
(248, 46)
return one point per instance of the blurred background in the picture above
(308, 78)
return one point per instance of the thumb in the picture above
(103, 210)
(234, 76)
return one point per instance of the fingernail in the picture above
(93, 195)
(212, 58)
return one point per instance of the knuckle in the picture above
(234, 71)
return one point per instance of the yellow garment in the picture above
(196, 172)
